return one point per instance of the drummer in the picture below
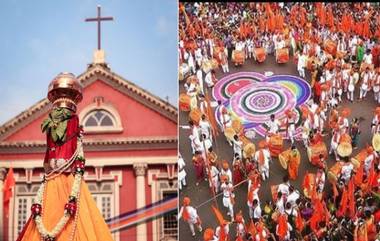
(205, 127)
(290, 124)
(273, 127)
(371, 157)
(238, 146)
(225, 171)
(293, 163)
(262, 158)
(320, 179)
(346, 170)
(228, 197)
(335, 141)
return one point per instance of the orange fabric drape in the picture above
(185, 214)
(282, 226)
(293, 166)
(351, 198)
(299, 222)
(343, 203)
(9, 183)
(358, 179)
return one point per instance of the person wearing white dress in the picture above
(228, 196)
(238, 146)
(190, 216)
(181, 172)
(263, 164)
(301, 65)
(365, 81)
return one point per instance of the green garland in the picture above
(56, 124)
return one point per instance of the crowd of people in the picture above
(335, 47)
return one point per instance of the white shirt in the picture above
(238, 146)
(227, 173)
(292, 198)
(346, 170)
(274, 126)
(193, 215)
(367, 58)
(266, 155)
(257, 212)
(284, 188)
(181, 168)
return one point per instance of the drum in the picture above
(237, 126)
(344, 149)
(315, 150)
(183, 71)
(249, 150)
(229, 133)
(214, 64)
(207, 66)
(307, 192)
(195, 115)
(282, 56)
(184, 102)
(376, 142)
(340, 54)
(351, 88)
(238, 57)
(359, 158)
(334, 172)
(330, 47)
(363, 66)
(275, 145)
(345, 138)
(284, 158)
(260, 54)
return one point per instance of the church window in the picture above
(99, 118)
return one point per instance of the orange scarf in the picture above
(185, 214)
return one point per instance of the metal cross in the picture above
(99, 19)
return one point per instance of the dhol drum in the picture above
(184, 102)
(334, 172)
(207, 66)
(214, 63)
(363, 66)
(314, 151)
(283, 158)
(183, 72)
(238, 57)
(330, 47)
(237, 126)
(307, 191)
(195, 115)
(260, 54)
(376, 142)
(275, 145)
(229, 133)
(345, 147)
(282, 55)
(359, 158)
(249, 150)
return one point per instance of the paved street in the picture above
(199, 194)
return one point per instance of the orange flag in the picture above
(358, 179)
(9, 183)
(211, 117)
(351, 198)
(306, 181)
(299, 222)
(282, 226)
(218, 215)
(343, 204)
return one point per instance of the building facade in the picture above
(130, 146)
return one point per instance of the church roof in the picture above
(93, 73)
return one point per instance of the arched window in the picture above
(99, 118)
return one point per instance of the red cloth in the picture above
(66, 150)
(237, 175)
(317, 89)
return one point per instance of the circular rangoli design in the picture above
(252, 98)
